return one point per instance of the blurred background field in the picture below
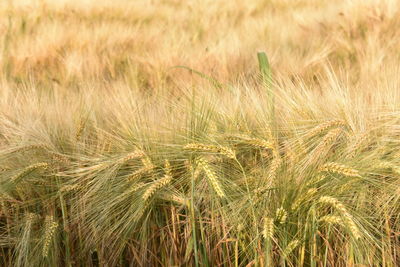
(66, 43)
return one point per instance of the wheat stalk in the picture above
(159, 183)
(236, 137)
(60, 158)
(146, 161)
(176, 198)
(352, 226)
(167, 168)
(3, 169)
(30, 217)
(137, 187)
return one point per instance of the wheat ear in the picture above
(281, 215)
(324, 126)
(310, 192)
(268, 230)
(357, 145)
(226, 151)
(331, 219)
(212, 177)
(141, 172)
(133, 155)
(31, 147)
(51, 227)
(327, 141)
(28, 170)
(290, 247)
(340, 169)
(275, 164)
(347, 218)
(160, 183)
(260, 143)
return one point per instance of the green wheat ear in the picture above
(265, 69)
(266, 76)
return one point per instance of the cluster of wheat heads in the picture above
(307, 193)
(109, 156)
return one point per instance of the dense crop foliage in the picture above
(151, 133)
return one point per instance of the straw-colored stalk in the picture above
(146, 161)
(333, 202)
(58, 158)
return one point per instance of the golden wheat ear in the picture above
(17, 178)
(50, 229)
(212, 177)
(324, 126)
(158, 184)
(268, 229)
(333, 167)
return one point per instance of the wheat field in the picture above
(200, 133)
